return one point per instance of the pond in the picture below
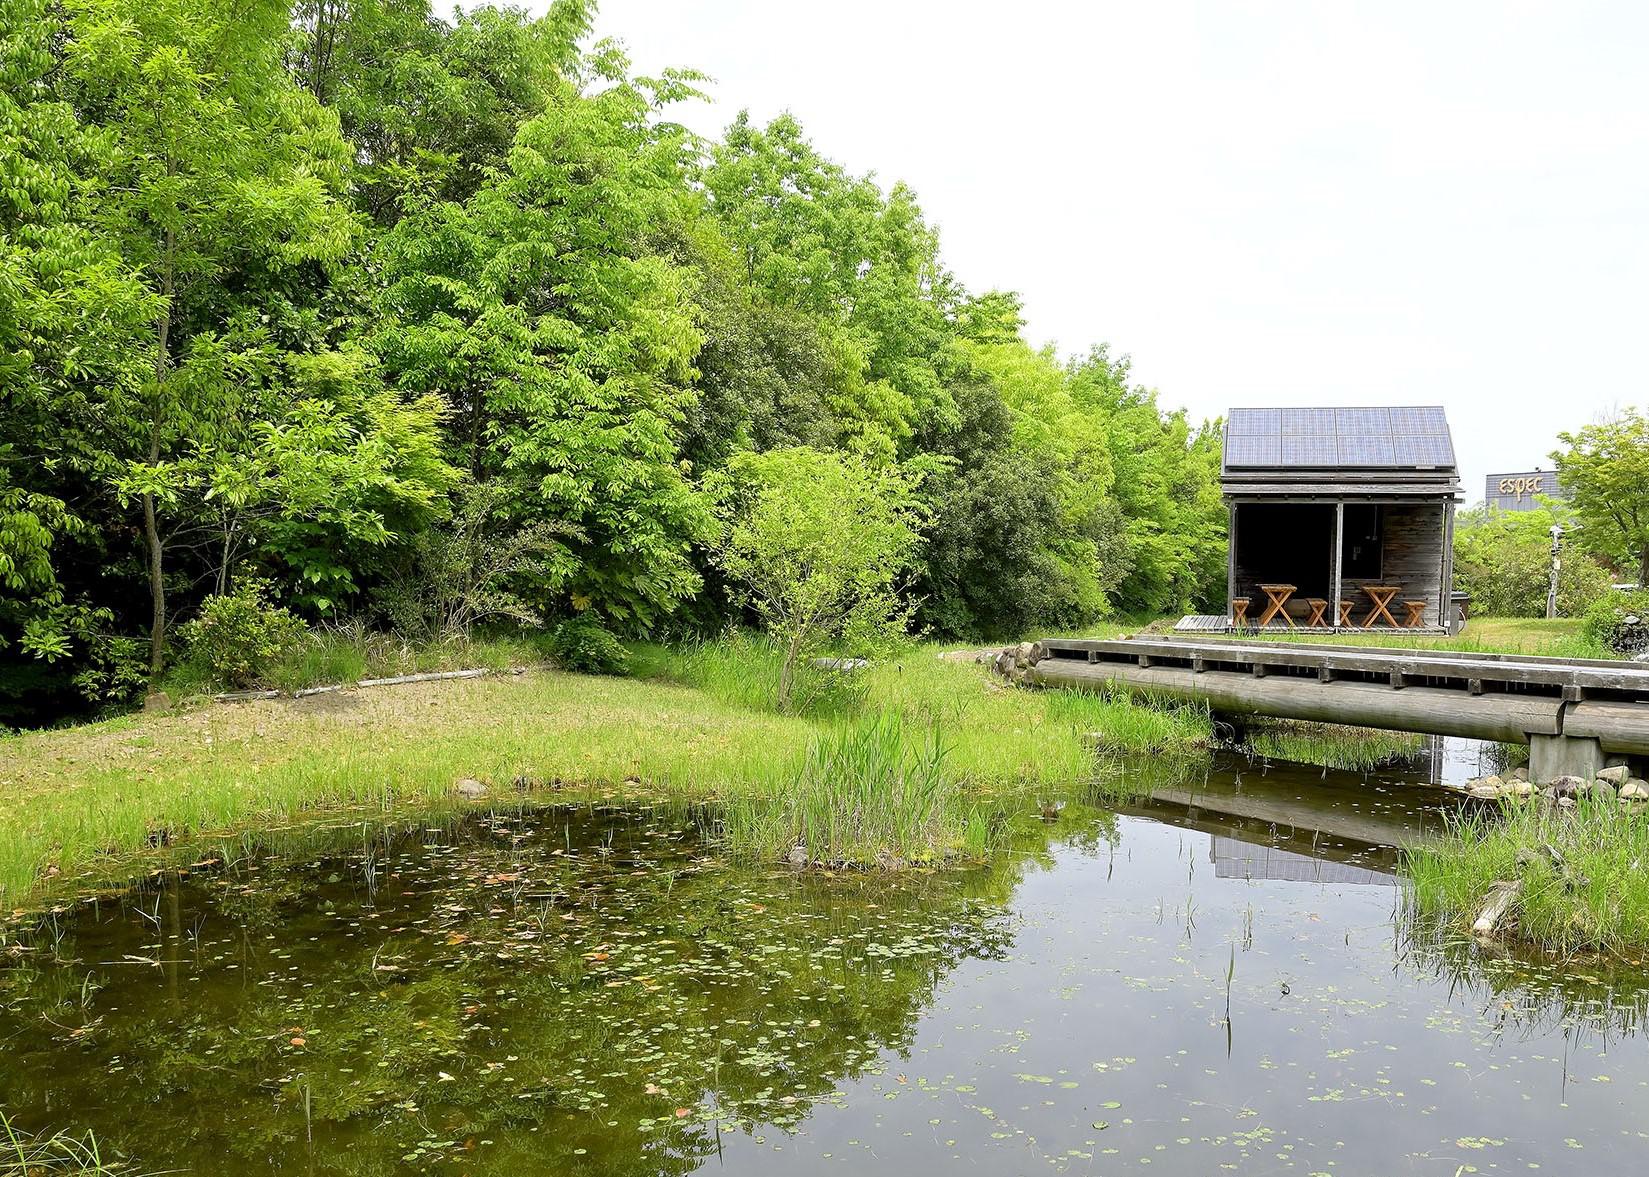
(1218, 978)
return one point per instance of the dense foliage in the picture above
(1619, 622)
(1605, 471)
(1504, 560)
(436, 322)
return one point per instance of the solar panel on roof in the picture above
(1309, 449)
(1251, 422)
(1318, 421)
(1423, 450)
(1362, 422)
(1252, 451)
(1366, 437)
(1417, 419)
(1367, 450)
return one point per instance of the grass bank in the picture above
(694, 725)
(350, 652)
(1584, 874)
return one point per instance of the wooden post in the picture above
(1339, 550)
(1230, 565)
(1445, 611)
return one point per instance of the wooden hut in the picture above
(1341, 518)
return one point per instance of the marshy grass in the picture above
(1585, 874)
(25, 1155)
(1352, 749)
(870, 791)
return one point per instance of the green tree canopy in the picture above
(1605, 472)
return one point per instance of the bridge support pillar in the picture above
(1553, 756)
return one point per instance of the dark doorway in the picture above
(1285, 543)
(1362, 554)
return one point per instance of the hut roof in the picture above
(1368, 447)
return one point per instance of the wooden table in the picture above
(1381, 595)
(1315, 620)
(1278, 595)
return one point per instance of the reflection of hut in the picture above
(1236, 859)
(1333, 509)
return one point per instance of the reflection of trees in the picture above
(1524, 993)
(546, 986)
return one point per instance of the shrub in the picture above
(238, 639)
(1620, 622)
(583, 645)
(1503, 559)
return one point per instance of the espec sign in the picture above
(1520, 492)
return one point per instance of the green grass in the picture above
(87, 803)
(1585, 874)
(348, 653)
(1352, 749)
(1562, 638)
(25, 1155)
(869, 790)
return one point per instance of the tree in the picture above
(819, 545)
(213, 163)
(562, 349)
(1503, 559)
(431, 107)
(864, 265)
(1605, 472)
(1166, 483)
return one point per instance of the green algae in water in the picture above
(1190, 990)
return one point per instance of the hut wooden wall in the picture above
(1413, 556)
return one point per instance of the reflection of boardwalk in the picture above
(1234, 859)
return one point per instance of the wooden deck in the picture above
(1576, 714)
(1206, 623)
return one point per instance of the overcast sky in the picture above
(1300, 203)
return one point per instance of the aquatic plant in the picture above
(869, 792)
(26, 1155)
(1356, 749)
(1585, 873)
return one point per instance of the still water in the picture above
(1219, 979)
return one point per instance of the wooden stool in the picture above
(1415, 616)
(1239, 611)
(1345, 613)
(1316, 605)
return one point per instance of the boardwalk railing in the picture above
(1576, 715)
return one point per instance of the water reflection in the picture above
(1219, 978)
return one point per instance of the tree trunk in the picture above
(157, 589)
(787, 672)
(151, 523)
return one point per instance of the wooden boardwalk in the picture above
(1577, 715)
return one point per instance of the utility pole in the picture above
(1557, 563)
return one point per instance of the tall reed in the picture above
(869, 792)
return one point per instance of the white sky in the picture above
(1286, 203)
